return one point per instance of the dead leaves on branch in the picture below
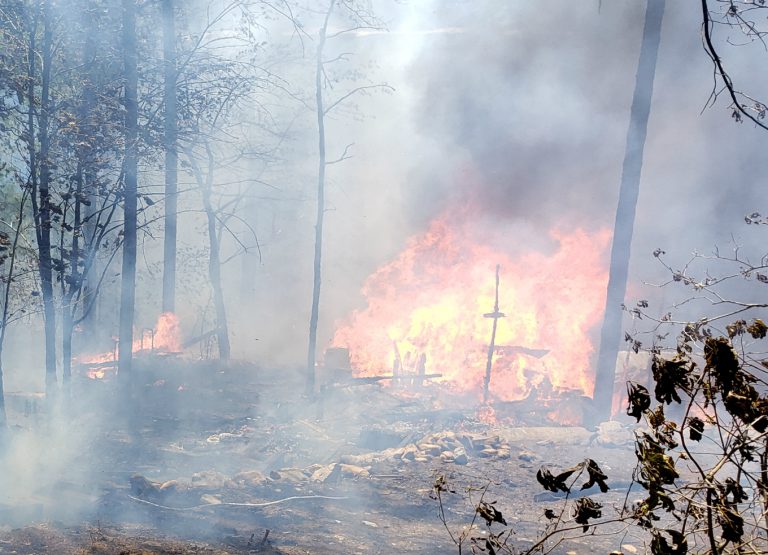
(677, 545)
(695, 428)
(734, 384)
(556, 483)
(757, 329)
(671, 376)
(639, 400)
(586, 509)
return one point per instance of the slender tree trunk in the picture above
(44, 212)
(128, 281)
(214, 274)
(90, 176)
(6, 300)
(214, 259)
(610, 337)
(312, 347)
(75, 281)
(171, 158)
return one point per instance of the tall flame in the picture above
(430, 301)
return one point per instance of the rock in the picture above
(353, 471)
(172, 486)
(466, 441)
(430, 449)
(628, 547)
(323, 473)
(370, 524)
(488, 452)
(460, 456)
(312, 468)
(503, 453)
(250, 478)
(527, 456)
(210, 479)
(143, 487)
(289, 475)
(359, 460)
(210, 499)
(421, 459)
(410, 452)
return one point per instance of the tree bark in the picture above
(6, 300)
(314, 314)
(90, 177)
(128, 278)
(71, 285)
(43, 220)
(171, 158)
(214, 259)
(610, 337)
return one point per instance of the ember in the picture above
(430, 301)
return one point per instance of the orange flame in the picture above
(165, 337)
(430, 300)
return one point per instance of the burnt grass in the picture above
(217, 459)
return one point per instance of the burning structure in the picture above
(429, 304)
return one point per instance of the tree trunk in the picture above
(6, 299)
(610, 337)
(89, 183)
(171, 158)
(128, 278)
(312, 347)
(43, 222)
(214, 260)
(72, 288)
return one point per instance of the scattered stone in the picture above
(628, 547)
(371, 524)
(466, 442)
(410, 452)
(527, 456)
(250, 478)
(210, 479)
(323, 473)
(210, 499)
(289, 475)
(430, 449)
(353, 471)
(460, 456)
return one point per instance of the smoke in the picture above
(516, 110)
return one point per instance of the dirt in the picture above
(232, 459)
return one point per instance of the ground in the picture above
(232, 459)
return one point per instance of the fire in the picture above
(165, 337)
(430, 301)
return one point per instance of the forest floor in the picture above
(232, 460)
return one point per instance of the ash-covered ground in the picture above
(235, 460)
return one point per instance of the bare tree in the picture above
(171, 156)
(128, 282)
(358, 18)
(747, 16)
